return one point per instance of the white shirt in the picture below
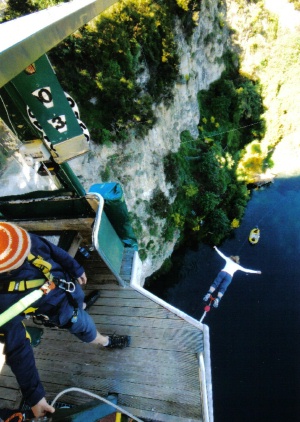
(231, 267)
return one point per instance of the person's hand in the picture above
(82, 279)
(215, 247)
(258, 272)
(41, 408)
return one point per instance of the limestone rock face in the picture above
(138, 165)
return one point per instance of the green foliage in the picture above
(219, 225)
(208, 195)
(153, 228)
(171, 169)
(190, 190)
(178, 219)
(296, 4)
(188, 13)
(2, 160)
(160, 203)
(136, 225)
(208, 202)
(17, 8)
(236, 104)
(169, 230)
(142, 254)
(105, 174)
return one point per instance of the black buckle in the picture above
(44, 320)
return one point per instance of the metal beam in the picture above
(24, 40)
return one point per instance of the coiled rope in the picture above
(80, 390)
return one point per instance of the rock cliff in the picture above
(138, 164)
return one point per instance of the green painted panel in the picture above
(109, 245)
(49, 110)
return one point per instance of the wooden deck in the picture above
(156, 378)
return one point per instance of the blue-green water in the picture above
(255, 339)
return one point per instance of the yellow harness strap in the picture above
(23, 285)
(41, 264)
(33, 296)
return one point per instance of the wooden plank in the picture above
(151, 312)
(185, 380)
(85, 224)
(139, 322)
(93, 353)
(153, 415)
(9, 393)
(132, 357)
(155, 407)
(133, 372)
(154, 338)
(117, 291)
(184, 376)
(119, 302)
(159, 339)
(124, 386)
(120, 292)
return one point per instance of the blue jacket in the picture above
(19, 353)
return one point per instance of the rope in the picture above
(222, 133)
(12, 126)
(207, 308)
(80, 390)
(203, 316)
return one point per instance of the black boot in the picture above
(91, 298)
(118, 342)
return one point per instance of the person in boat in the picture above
(224, 277)
(61, 308)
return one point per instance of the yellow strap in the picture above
(27, 333)
(30, 310)
(40, 263)
(22, 285)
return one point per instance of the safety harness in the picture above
(45, 285)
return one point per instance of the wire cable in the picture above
(12, 126)
(221, 133)
(80, 390)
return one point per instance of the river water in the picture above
(255, 341)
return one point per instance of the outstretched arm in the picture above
(246, 270)
(220, 253)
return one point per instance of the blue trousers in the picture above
(222, 281)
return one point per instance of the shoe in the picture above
(206, 297)
(91, 298)
(216, 302)
(118, 342)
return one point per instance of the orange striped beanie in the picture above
(14, 246)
